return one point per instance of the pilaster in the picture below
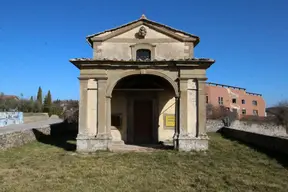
(92, 94)
(94, 134)
(189, 120)
(83, 103)
(202, 108)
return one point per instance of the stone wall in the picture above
(213, 125)
(18, 138)
(9, 118)
(261, 128)
(271, 143)
(17, 135)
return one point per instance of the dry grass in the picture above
(228, 166)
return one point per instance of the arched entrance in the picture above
(138, 106)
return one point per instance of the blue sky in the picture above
(248, 39)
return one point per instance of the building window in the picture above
(234, 100)
(143, 54)
(243, 111)
(254, 102)
(220, 100)
(243, 101)
(255, 112)
(207, 101)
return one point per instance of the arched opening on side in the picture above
(143, 109)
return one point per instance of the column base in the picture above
(116, 136)
(92, 144)
(190, 143)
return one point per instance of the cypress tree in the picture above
(48, 103)
(39, 96)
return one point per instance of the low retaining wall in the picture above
(213, 125)
(17, 135)
(260, 128)
(34, 117)
(275, 144)
(10, 118)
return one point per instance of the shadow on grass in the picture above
(278, 156)
(62, 135)
(157, 146)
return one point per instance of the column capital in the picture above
(202, 80)
(96, 77)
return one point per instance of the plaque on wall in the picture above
(169, 121)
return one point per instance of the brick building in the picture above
(235, 98)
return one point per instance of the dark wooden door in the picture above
(143, 121)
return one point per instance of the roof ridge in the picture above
(142, 18)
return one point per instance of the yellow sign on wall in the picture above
(170, 121)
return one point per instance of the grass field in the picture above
(228, 166)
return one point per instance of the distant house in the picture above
(235, 99)
(9, 97)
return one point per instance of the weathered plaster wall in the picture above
(166, 106)
(10, 118)
(119, 47)
(119, 106)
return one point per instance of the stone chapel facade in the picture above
(143, 85)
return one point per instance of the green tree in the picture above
(37, 107)
(39, 96)
(48, 103)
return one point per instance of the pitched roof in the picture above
(144, 21)
(100, 63)
(9, 97)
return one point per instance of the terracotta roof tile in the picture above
(145, 60)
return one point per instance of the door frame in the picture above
(131, 97)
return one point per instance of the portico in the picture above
(143, 85)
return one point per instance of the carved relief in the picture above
(141, 33)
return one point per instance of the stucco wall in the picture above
(10, 118)
(166, 106)
(119, 47)
(119, 106)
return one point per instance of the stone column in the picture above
(87, 126)
(202, 109)
(188, 138)
(83, 103)
(93, 134)
(103, 137)
(108, 116)
(92, 94)
(177, 124)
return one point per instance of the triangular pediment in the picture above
(150, 33)
(151, 28)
